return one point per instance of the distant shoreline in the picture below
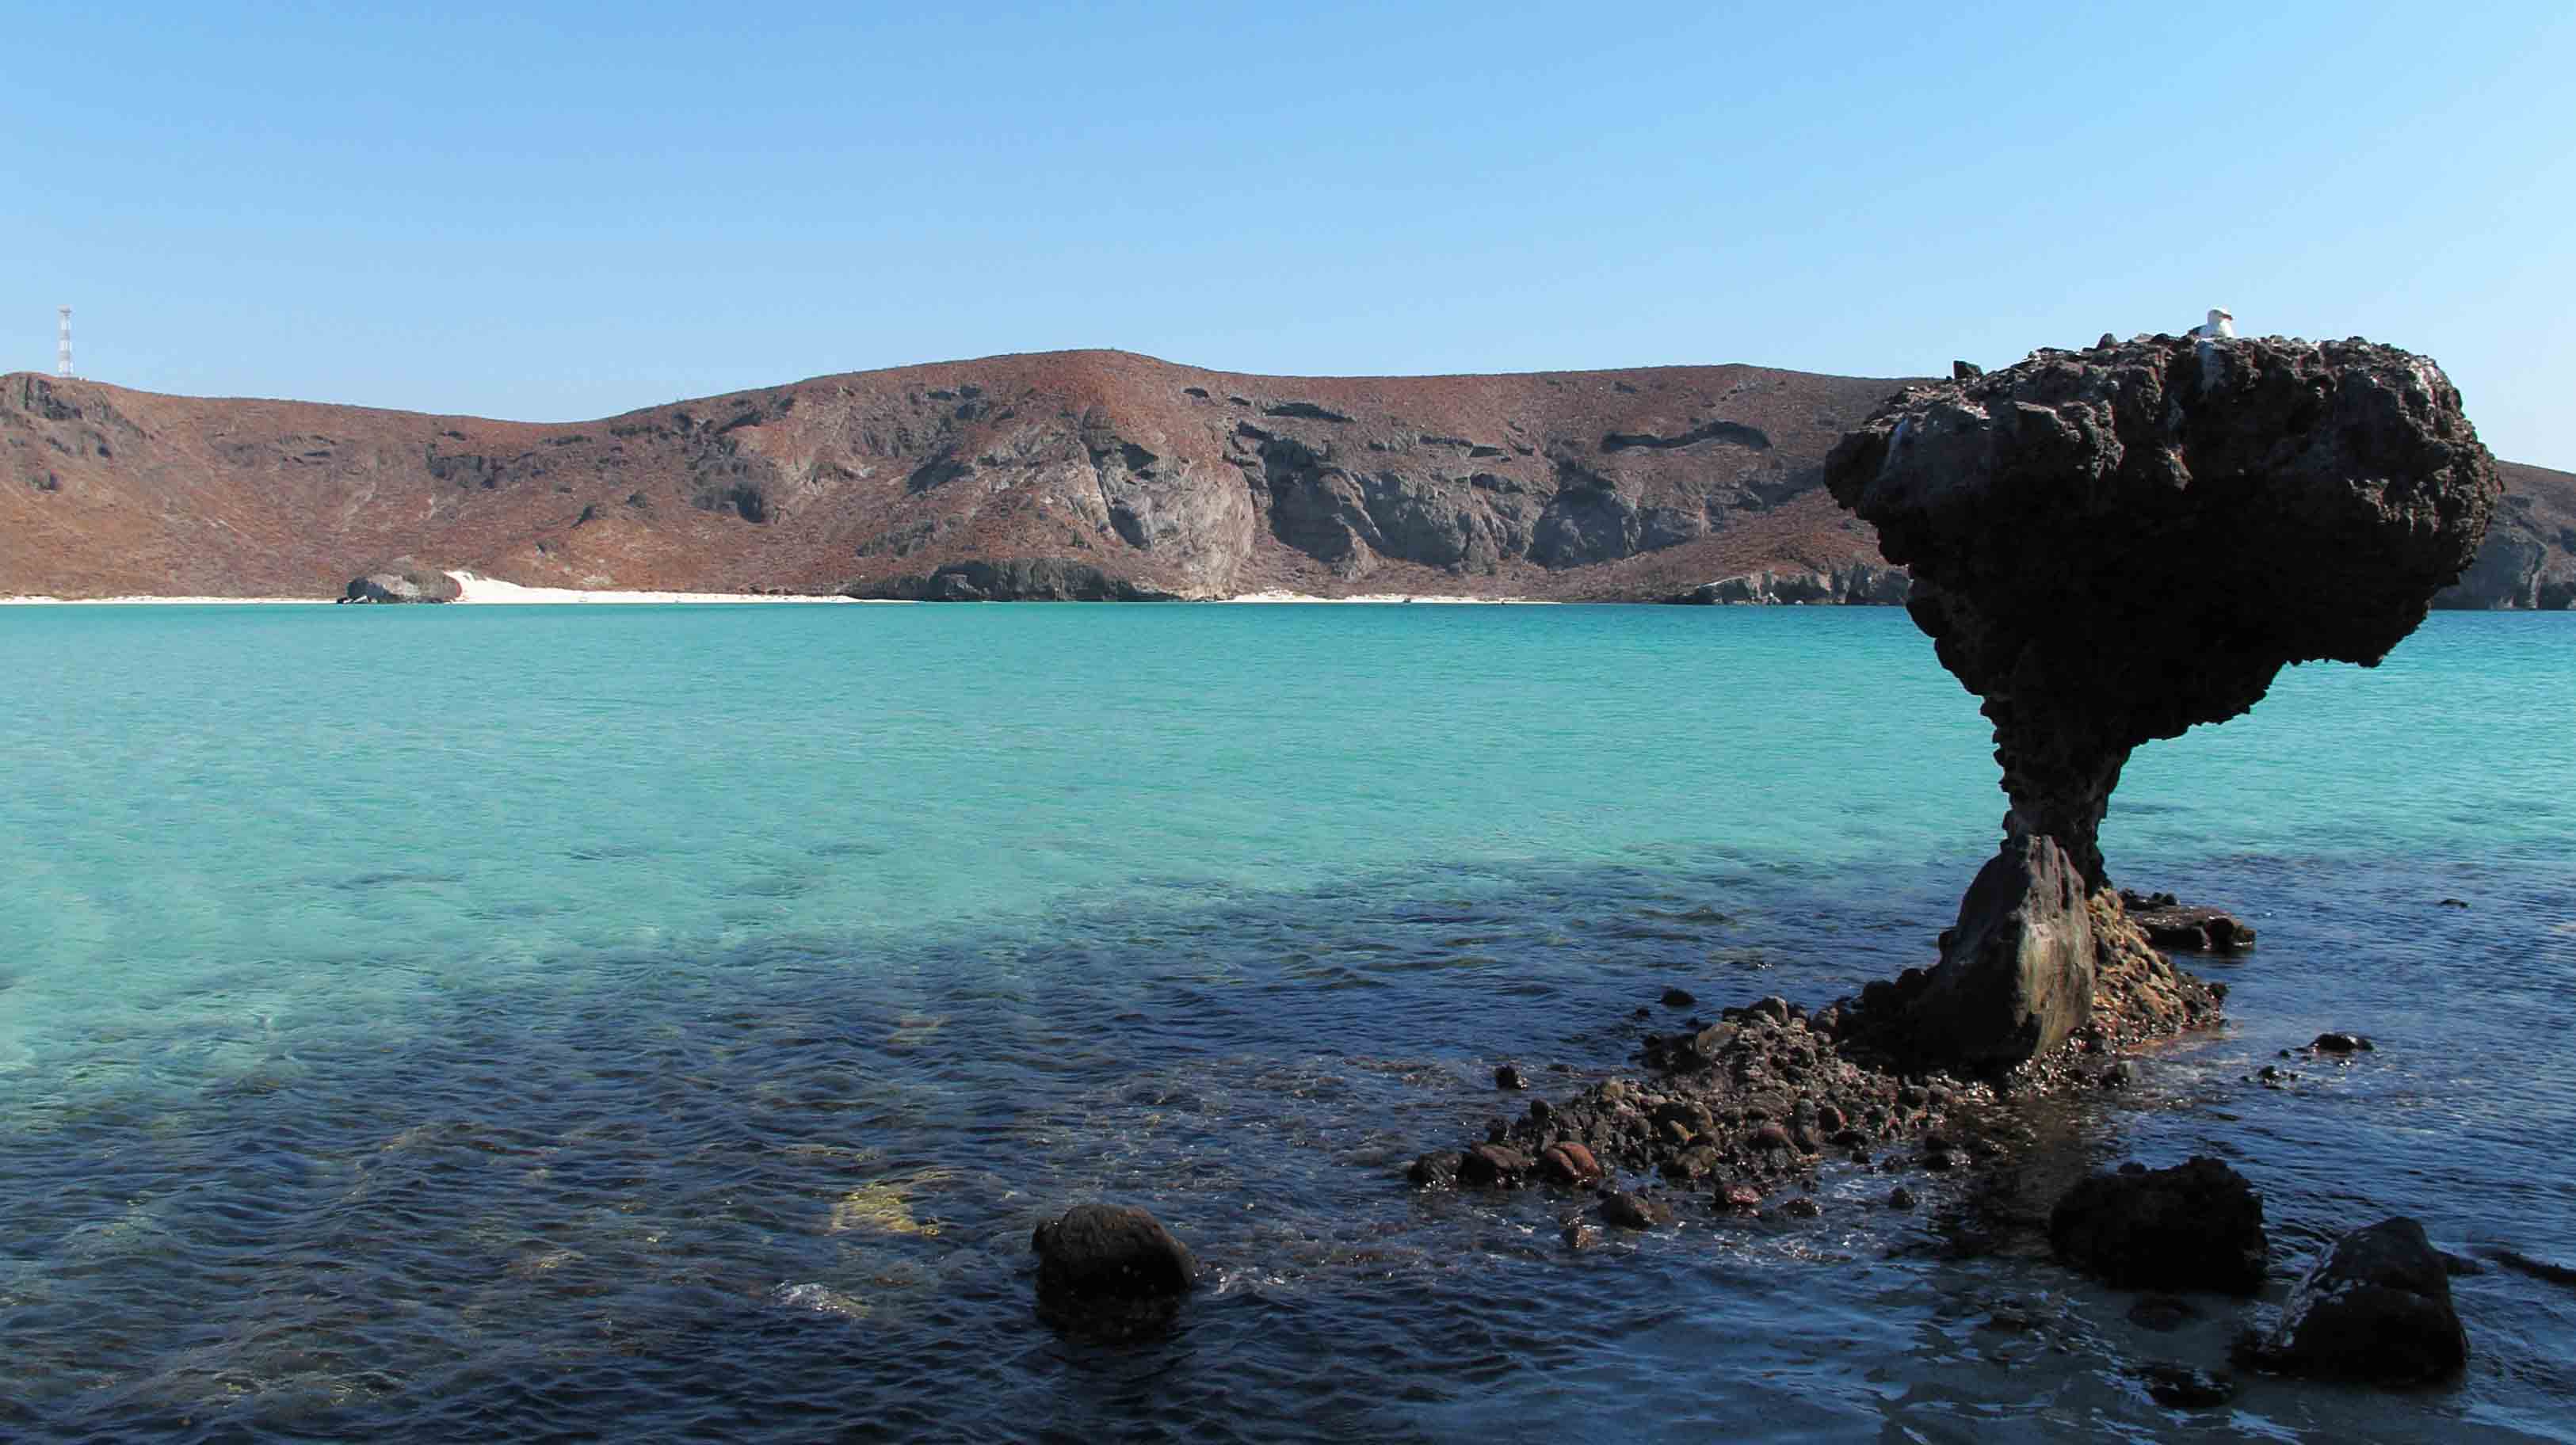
(40, 601)
(480, 591)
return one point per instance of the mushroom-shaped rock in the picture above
(2111, 546)
(1112, 1264)
(2377, 1308)
(2197, 1225)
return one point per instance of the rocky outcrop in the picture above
(1861, 584)
(2171, 923)
(2376, 1308)
(403, 580)
(1013, 579)
(2528, 561)
(2110, 546)
(1738, 1115)
(2113, 545)
(2197, 1225)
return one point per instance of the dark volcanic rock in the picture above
(2112, 546)
(1861, 584)
(2376, 1308)
(1012, 579)
(2017, 976)
(403, 580)
(2198, 1225)
(2173, 924)
(1635, 1211)
(1110, 1265)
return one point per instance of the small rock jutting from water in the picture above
(2195, 1226)
(1635, 1211)
(2170, 923)
(1679, 998)
(2112, 546)
(1508, 1077)
(2376, 1308)
(2341, 1043)
(403, 580)
(1111, 1269)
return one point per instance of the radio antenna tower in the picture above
(63, 345)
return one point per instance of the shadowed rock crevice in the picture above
(2111, 546)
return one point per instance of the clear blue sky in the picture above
(558, 211)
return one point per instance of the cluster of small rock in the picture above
(1730, 1114)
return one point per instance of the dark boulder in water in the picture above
(2197, 1225)
(1112, 1268)
(2112, 546)
(2377, 1309)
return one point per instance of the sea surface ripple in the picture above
(669, 1022)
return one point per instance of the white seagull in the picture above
(2222, 323)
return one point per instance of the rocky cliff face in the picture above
(2528, 560)
(2113, 545)
(1079, 474)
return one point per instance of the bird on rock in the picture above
(2222, 323)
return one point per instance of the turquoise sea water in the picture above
(493, 1022)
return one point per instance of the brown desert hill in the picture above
(1117, 473)
(2529, 558)
(1064, 474)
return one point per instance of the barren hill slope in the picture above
(1086, 474)
(1157, 478)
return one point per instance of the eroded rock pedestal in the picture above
(2110, 546)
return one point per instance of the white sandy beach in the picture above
(481, 590)
(476, 589)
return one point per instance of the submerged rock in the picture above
(2197, 1225)
(2112, 546)
(2377, 1308)
(2182, 1386)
